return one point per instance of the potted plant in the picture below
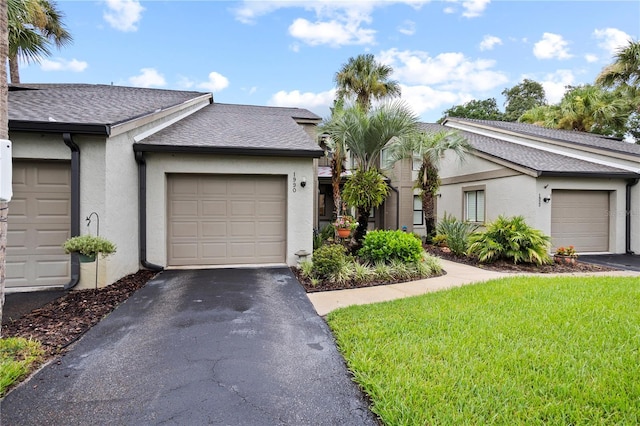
(88, 246)
(344, 225)
(565, 255)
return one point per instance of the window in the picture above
(417, 210)
(416, 163)
(322, 207)
(474, 205)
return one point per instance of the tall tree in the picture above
(34, 26)
(585, 108)
(365, 134)
(522, 97)
(486, 109)
(4, 134)
(429, 148)
(365, 79)
(625, 70)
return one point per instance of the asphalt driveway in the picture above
(224, 347)
(625, 262)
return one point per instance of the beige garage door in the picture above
(581, 219)
(226, 220)
(39, 223)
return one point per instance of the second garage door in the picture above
(226, 219)
(581, 219)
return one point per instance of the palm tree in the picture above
(625, 70)
(365, 79)
(34, 25)
(429, 147)
(4, 134)
(365, 134)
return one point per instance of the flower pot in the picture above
(562, 259)
(87, 258)
(344, 232)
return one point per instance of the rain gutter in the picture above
(630, 183)
(142, 213)
(75, 206)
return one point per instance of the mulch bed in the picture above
(64, 320)
(504, 266)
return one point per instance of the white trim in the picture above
(167, 123)
(234, 266)
(9, 290)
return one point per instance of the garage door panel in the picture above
(214, 208)
(184, 208)
(581, 219)
(50, 208)
(214, 229)
(236, 215)
(184, 229)
(39, 223)
(184, 250)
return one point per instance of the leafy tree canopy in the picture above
(482, 110)
(522, 97)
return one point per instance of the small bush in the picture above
(362, 273)
(328, 260)
(511, 239)
(455, 233)
(306, 268)
(386, 246)
(17, 358)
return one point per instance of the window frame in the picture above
(417, 196)
(465, 203)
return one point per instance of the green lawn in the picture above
(18, 356)
(521, 350)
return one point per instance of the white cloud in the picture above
(185, 82)
(489, 42)
(450, 71)
(555, 85)
(424, 99)
(332, 33)
(320, 103)
(611, 39)
(60, 64)
(589, 57)
(123, 15)
(250, 90)
(474, 8)
(552, 46)
(148, 77)
(216, 82)
(408, 27)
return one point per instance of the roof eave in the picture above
(59, 127)
(245, 151)
(604, 175)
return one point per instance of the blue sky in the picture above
(286, 53)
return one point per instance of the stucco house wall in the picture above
(300, 203)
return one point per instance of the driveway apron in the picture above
(219, 346)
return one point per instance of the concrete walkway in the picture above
(457, 274)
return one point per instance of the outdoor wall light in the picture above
(546, 199)
(303, 182)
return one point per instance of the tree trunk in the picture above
(14, 70)
(335, 183)
(428, 207)
(361, 230)
(4, 134)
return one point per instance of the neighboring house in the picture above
(175, 179)
(579, 188)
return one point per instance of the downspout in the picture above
(75, 206)
(397, 205)
(630, 183)
(142, 213)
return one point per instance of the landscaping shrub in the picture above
(455, 233)
(387, 246)
(329, 259)
(325, 234)
(511, 239)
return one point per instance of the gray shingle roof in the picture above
(578, 138)
(537, 160)
(89, 103)
(238, 128)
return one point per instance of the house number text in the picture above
(294, 182)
